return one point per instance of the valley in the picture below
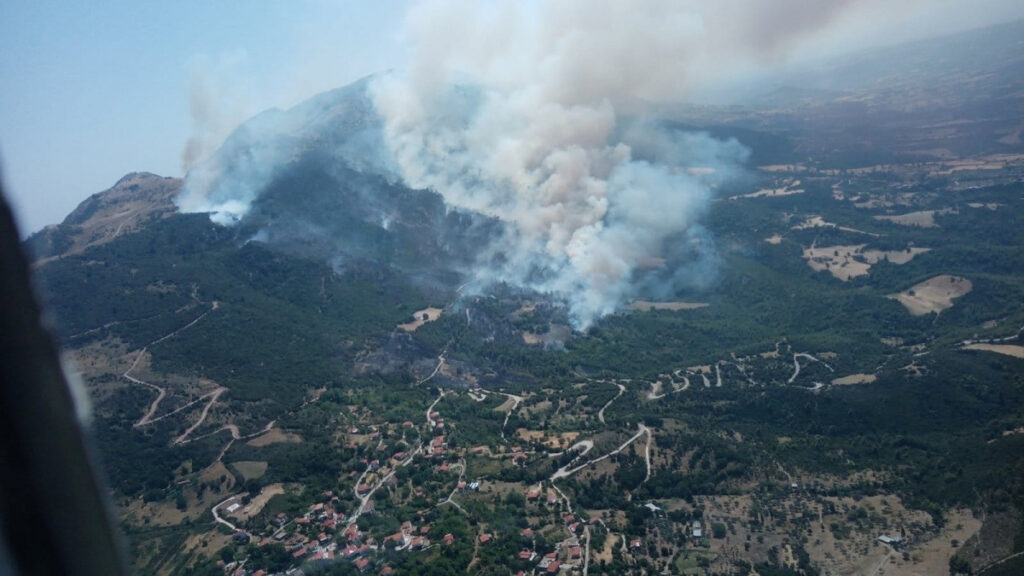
(823, 377)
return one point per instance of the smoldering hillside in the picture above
(516, 145)
(321, 180)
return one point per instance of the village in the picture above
(548, 537)
(420, 492)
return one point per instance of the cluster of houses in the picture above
(235, 570)
(568, 553)
(533, 495)
(411, 537)
(320, 535)
(324, 534)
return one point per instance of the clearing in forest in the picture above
(933, 295)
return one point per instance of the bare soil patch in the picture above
(107, 356)
(782, 168)
(933, 295)
(788, 188)
(141, 513)
(215, 471)
(894, 256)
(819, 222)
(921, 219)
(557, 334)
(555, 441)
(812, 222)
(256, 504)
(855, 379)
(1007, 349)
(840, 261)
(421, 317)
(989, 162)
(274, 436)
(529, 435)
(250, 469)
(505, 406)
(206, 543)
(989, 205)
(851, 261)
(932, 556)
(134, 200)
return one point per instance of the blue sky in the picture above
(90, 91)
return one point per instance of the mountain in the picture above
(135, 200)
(281, 385)
(321, 186)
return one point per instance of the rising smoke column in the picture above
(515, 109)
(510, 110)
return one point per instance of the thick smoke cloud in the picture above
(527, 112)
(538, 144)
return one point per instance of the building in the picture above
(894, 541)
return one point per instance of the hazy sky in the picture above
(90, 91)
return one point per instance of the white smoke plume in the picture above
(537, 142)
(217, 104)
(516, 109)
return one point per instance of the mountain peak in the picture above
(136, 198)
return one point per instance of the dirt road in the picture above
(600, 413)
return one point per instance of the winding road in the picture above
(516, 400)
(994, 340)
(440, 364)
(600, 413)
(147, 418)
(796, 365)
(161, 393)
(565, 471)
(217, 518)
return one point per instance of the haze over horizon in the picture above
(92, 93)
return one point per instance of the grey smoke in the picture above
(217, 104)
(538, 144)
(514, 110)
